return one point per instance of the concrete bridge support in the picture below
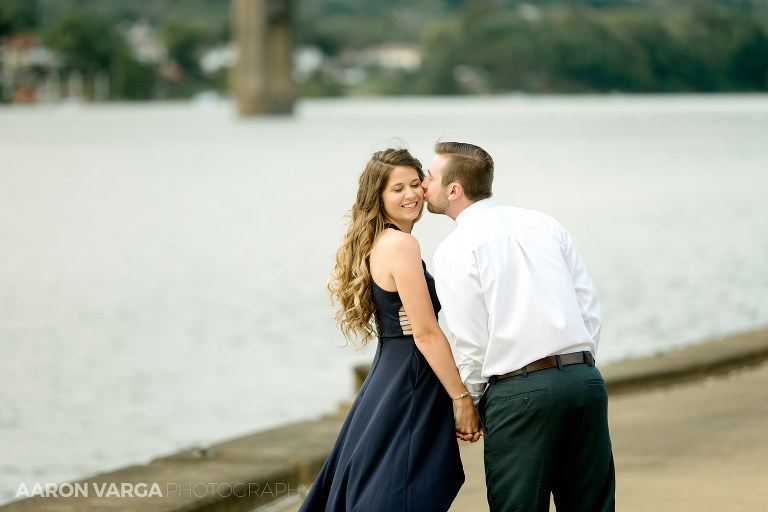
(261, 80)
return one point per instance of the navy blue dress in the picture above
(397, 450)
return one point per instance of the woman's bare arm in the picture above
(403, 257)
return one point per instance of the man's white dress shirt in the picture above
(513, 289)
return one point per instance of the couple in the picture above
(525, 320)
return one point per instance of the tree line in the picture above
(466, 46)
(90, 37)
(700, 49)
(486, 47)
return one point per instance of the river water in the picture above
(162, 266)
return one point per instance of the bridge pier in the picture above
(261, 79)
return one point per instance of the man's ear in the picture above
(455, 191)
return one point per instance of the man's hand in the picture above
(472, 438)
(467, 420)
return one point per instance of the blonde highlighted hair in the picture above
(349, 284)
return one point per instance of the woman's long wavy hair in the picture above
(350, 281)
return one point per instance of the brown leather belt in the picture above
(548, 362)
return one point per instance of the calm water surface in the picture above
(162, 266)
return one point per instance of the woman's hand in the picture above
(403, 255)
(467, 420)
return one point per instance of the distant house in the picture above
(145, 45)
(352, 66)
(218, 58)
(393, 57)
(24, 64)
(306, 61)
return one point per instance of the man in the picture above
(525, 320)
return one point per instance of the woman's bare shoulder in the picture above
(395, 242)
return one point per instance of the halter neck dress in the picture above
(397, 450)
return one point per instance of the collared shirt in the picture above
(514, 290)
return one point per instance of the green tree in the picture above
(656, 66)
(502, 46)
(724, 49)
(18, 15)
(86, 40)
(91, 43)
(587, 55)
(440, 44)
(748, 68)
(185, 41)
(130, 79)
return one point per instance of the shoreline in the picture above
(277, 466)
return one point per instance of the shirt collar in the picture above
(475, 208)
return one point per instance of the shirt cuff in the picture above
(470, 375)
(475, 391)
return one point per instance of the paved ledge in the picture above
(238, 475)
(303, 446)
(690, 363)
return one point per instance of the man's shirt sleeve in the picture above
(459, 289)
(585, 289)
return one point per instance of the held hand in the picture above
(472, 438)
(466, 419)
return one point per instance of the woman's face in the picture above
(403, 197)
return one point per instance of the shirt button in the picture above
(526, 399)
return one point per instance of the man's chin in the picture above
(432, 209)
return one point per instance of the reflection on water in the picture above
(163, 266)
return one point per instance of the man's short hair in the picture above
(469, 165)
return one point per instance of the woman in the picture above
(397, 448)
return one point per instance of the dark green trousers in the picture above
(547, 432)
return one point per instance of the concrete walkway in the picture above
(698, 442)
(697, 446)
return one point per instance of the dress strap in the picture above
(389, 225)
